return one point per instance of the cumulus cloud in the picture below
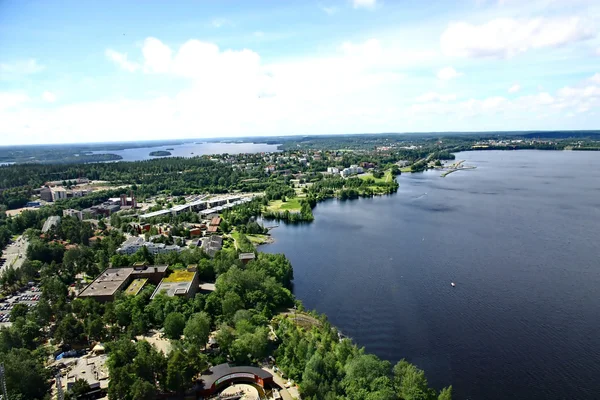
(21, 67)
(595, 78)
(514, 88)
(448, 73)
(121, 60)
(507, 37)
(49, 97)
(364, 3)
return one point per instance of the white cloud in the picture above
(121, 60)
(49, 97)
(448, 73)
(157, 56)
(12, 99)
(595, 78)
(22, 67)
(329, 10)
(430, 97)
(514, 88)
(506, 37)
(364, 3)
(230, 92)
(598, 51)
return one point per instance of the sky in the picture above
(76, 71)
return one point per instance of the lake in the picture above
(519, 237)
(191, 150)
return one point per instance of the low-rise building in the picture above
(247, 257)
(135, 243)
(212, 244)
(50, 223)
(113, 280)
(73, 213)
(183, 283)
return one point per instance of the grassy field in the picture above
(255, 239)
(387, 177)
(290, 204)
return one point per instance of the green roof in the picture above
(180, 276)
(135, 286)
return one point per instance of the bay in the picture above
(191, 150)
(519, 235)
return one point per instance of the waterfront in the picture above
(190, 150)
(518, 235)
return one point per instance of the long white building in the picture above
(135, 243)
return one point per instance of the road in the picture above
(15, 253)
(285, 393)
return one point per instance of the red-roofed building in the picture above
(216, 221)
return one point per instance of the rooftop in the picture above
(135, 286)
(215, 374)
(247, 256)
(180, 276)
(108, 282)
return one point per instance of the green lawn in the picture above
(387, 177)
(290, 204)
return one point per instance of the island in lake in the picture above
(160, 153)
(170, 148)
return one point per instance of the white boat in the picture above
(452, 284)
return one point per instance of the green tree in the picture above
(25, 375)
(80, 387)
(197, 330)
(143, 390)
(411, 382)
(174, 325)
(19, 310)
(445, 393)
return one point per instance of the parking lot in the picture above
(28, 296)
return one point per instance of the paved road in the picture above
(16, 252)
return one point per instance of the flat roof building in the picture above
(113, 280)
(183, 283)
(247, 257)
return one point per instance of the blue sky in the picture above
(79, 71)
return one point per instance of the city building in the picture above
(92, 369)
(73, 213)
(58, 193)
(46, 194)
(183, 283)
(135, 243)
(113, 280)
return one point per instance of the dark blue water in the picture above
(520, 237)
(191, 150)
